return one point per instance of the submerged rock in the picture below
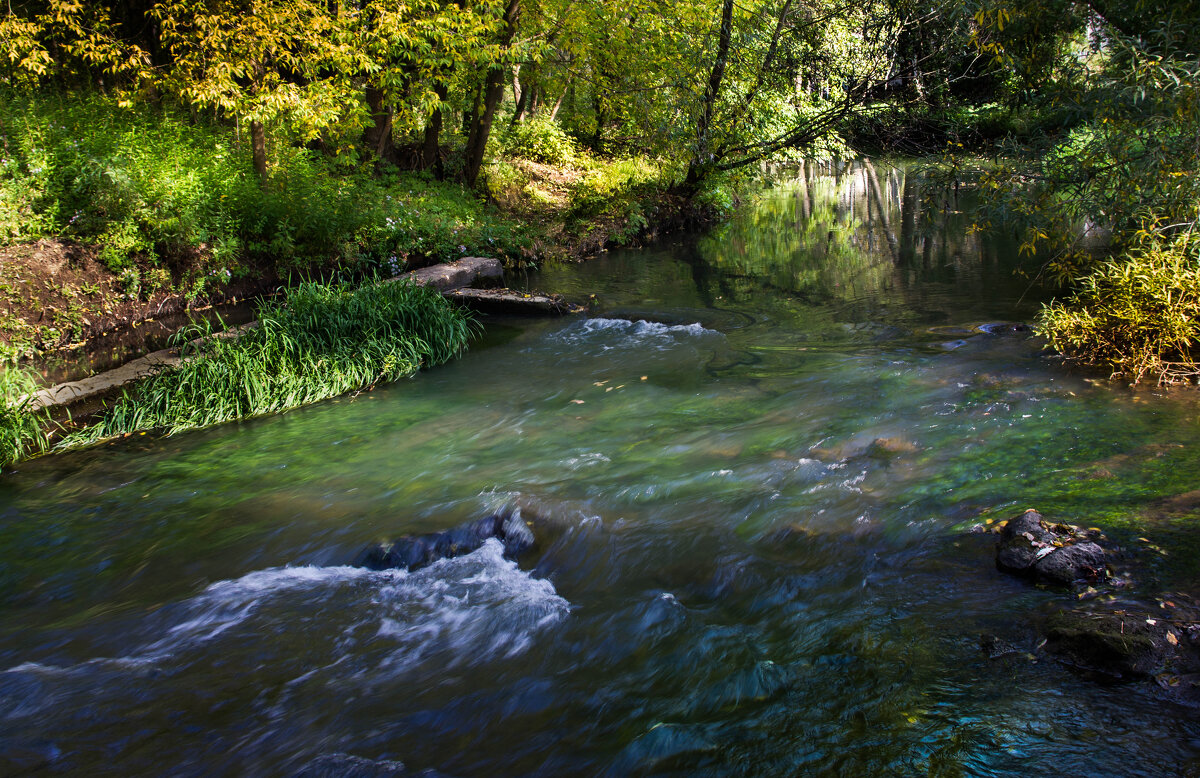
(1056, 554)
(1128, 644)
(412, 552)
(1003, 327)
(886, 448)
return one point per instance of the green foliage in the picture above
(1127, 173)
(616, 184)
(1131, 169)
(318, 342)
(153, 189)
(539, 140)
(22, 430)
(1135, 315)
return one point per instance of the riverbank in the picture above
(111, 219)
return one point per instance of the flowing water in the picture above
(749, 472)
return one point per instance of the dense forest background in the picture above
(195, 141)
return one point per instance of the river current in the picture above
(750, 469)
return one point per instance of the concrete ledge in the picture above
(85, 388)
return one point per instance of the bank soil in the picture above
(57, 299)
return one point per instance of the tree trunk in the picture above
(558, 103)
(700, 163)
(493, 92)
(258, 148)
(378, 135)
(535, 99)
(598, 108)
(431, 152)
(519, 95)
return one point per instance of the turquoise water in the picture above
(748, 470)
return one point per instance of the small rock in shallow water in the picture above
(414, 552)
(885, 448)
(1028, 546)
(1117, 645)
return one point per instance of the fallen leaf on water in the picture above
(1172, 639)
(578, 402)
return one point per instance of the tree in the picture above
(262, 61)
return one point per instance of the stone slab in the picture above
(455, 275)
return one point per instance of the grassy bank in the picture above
(318, 341)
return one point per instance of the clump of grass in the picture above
(1137, 315)
(318, 342)
(22, 429)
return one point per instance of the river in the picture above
(750, 471)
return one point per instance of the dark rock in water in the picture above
(1080, 561)
(414, 552)
(995, 648)
(1119, 645)
(1003, 327)
(1020, 541)
(1030, 547)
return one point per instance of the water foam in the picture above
(624, 333)
(468, 609)
(477, 607)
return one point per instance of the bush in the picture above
(607, 184)
(1136, 315)
(540, 140)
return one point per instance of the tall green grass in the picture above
(319, 341)
(22, 429)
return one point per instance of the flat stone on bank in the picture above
(457, 274)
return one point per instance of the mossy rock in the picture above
(1116, 646)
